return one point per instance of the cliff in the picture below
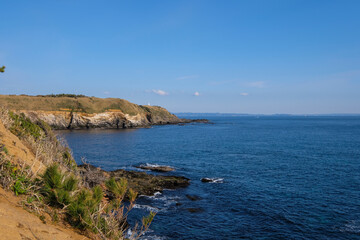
(73, 112)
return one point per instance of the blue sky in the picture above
(188, 56)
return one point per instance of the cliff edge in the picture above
(68, 111)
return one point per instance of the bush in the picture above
(58, 189)
(22, 126)
(16, 178)
(85, 204)
(3, 149)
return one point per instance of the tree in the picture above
(2, 69)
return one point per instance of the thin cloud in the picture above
(258, 84)
(244, 94)
(196, 94)
(215, 83)
(160, 92)
(187, 77)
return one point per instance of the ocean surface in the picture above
(279, 177)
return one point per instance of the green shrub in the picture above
(19, 187)
(15, 178)
(23, 126)
(84, 206)
(117, 188)
(58, 188)
(4, 149)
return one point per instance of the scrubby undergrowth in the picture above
(59, 190)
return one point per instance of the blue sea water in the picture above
(284, 177)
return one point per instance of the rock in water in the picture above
(156, 168)
(195, 210)
(206, 180)
(212, 180)
(193, 197)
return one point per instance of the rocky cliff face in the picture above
(75, 120)
(64, 112)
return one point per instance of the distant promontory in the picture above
(70, 111)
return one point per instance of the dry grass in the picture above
(83, 104)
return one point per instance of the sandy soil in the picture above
(16, 222)
(19, 151)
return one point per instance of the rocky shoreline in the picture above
(143, 183)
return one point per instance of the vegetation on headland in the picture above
(70, 111)
(63, 95)
(59, 190)
(79, 103)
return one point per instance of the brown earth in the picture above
(17, 223)
(20, 153)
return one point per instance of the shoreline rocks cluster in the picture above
(143, 183)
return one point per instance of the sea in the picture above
(273, 177)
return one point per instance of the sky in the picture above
(257, 57)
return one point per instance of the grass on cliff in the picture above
(39, 137)
(78, 103)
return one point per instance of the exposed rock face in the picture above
(89, 112)
(74, 120)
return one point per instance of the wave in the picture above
(352, 227)
(129, 233)
(154, 165)
(153, 237)
(212, 180)
(156, 194)
(147, 207)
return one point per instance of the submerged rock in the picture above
(193, 197)
(195, 210)
(143, 183)
(156, 168)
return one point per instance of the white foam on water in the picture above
(154, 165)
(129, 233)
(165, 202)
(153, 237)
(157, 194)
(351, 227)
(147, 207)
(215, 180)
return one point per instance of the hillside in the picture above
(45, 195)
(78, 111)
(15, 221)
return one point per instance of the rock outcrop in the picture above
(88, 112)
(80, 120)
(156, 168)
(143, 183)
